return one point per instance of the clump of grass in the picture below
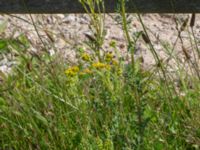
(99, 102)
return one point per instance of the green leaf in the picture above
(3, 46)
(41, 118)
(2, 101)
(24, 40)
(20, 44)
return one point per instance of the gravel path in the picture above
(65, 32)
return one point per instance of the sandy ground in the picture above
(68, 32)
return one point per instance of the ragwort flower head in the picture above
(72, 71)
(86, 72)
(100, 65)
(85, 57)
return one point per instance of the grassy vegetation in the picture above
(100, 101)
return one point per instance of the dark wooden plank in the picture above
(73, 6)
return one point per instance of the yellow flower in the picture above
(86, 71)
(72, 71)
(100, 65)
(75, 69)
(85, 57)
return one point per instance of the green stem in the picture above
(124, 24)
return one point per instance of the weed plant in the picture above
(101, 102)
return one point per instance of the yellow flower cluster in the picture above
(72, 71)
(100, 65)
(86, 57)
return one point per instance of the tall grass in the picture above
(100, 101)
